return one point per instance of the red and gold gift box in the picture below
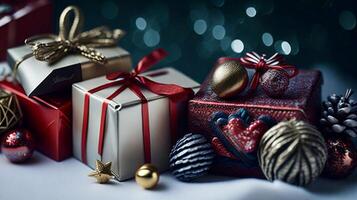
(49, 118)
(22, 19)
(301, 101)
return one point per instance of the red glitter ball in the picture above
(275, 82)
(18, 145)
(342, 157)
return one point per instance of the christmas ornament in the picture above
(341, 159)
(292, 151)
(147, 176)
(228, 79)
(18, 145)
(191, 157)
(275, 82)
(103, 172)
(339, 114)
(239, 134)
(10, 112)
(261, 65)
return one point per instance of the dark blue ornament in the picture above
(191, 157)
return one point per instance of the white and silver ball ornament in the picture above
(292, 151)
(191, 157)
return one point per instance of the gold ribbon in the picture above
(72, 41)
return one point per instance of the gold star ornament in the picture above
(103, 172)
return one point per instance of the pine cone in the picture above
(339, 114)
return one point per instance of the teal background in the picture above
(320, 33)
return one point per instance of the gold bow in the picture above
(74, 41)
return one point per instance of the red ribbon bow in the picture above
(134, 81)
(252, 60)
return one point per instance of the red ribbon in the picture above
(258, 62)
(134, 81)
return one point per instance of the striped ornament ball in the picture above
(191, 157)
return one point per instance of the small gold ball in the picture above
(229, 79)
(147, 176)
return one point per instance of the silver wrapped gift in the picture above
(123, 142)
(39, 77)
(53, 62)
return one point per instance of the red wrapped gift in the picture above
(22, 19)
(301, 101)
(49, 118)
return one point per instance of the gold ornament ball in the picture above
(147, 176)
(229, 79)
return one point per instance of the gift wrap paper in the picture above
(301, 101)
(48, 118)
(38, 78)
(123, 143)
(27, 18)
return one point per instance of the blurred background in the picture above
(312, 34)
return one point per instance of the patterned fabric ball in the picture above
(191, 157)
(292, 151)
(275, 82)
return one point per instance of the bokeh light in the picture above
(237, 46)
(285, 47)
(140, 23)
(251, 11)
(347, 20)
(200, 26)
(218, 32)
(267, 39)
(151, 38)
(210, 29)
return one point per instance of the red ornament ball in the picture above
(18, 145)
(341, 159)
(275, 82)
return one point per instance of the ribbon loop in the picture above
(75, 27)
(150, 60)
(261, 65)
(73, 41)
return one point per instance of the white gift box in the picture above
(123, 136)
(38, 77)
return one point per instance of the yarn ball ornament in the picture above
(292, 151)
(191, 157)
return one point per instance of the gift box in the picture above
(301, 101)
(22, 19)
(48, 118)
(49, 63)
(130, 125)
(38, 78)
